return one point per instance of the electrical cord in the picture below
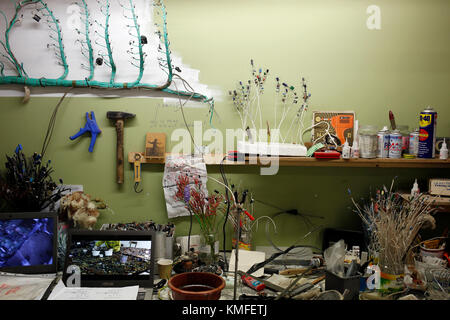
(51, 124)
(225, 181)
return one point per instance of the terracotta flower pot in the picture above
(196, 286)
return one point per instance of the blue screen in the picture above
(26, 242)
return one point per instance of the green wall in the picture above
(403, 67)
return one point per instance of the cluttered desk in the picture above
(119, 264)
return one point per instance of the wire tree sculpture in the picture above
(105, 54)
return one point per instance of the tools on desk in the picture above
(267, 284)
(119, 118)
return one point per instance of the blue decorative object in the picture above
(92, 127)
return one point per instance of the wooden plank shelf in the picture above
(216, 159)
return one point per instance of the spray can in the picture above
(427, 133)
(395, 144)
(414, 142)
(383, 143)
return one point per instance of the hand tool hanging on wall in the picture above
(92, 127)
(137, 171)
(119, 117)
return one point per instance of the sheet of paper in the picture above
(192, 166)
(23, 287)
(61, 292)
(246, 259)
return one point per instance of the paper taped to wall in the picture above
(192, 166)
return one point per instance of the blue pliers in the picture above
(92, 127)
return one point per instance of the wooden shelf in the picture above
(312, 162)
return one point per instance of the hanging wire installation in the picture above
(105, 55)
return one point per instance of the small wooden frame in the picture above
(155, 146)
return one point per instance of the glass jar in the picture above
(368, 142)
(391, 277)
(209, 249)
(245, 241)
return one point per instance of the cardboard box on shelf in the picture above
(440, 187)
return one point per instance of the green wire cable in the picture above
(61, 46)
(141, 53)
(166, 42)
(108, 45)
(8, 48)
(89, 44)
(23, 78)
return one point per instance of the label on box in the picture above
(440, 187)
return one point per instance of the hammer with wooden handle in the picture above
(119, 117)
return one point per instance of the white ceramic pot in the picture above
(95, 253)
(109, 253)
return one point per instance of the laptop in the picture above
(111, 259)
(28, 242)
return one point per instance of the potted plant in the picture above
(203, 208)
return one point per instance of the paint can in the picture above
(395, 144)
(383, 143)
(427, 133)
(414, 142)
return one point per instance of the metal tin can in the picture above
(414, 142)
(427, 133)
(395, 144)
(383, 143)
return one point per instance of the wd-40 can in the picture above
(383, 143)
(395, 144)
(427, 133)
(414, 142)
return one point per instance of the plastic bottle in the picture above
(355, 149)
(415, 189)
(443, 154)
(346, 150)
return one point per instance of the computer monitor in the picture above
(28, 242)
(111, 258)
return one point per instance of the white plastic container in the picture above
(443, 154)
(355, 149)
(346, 151)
